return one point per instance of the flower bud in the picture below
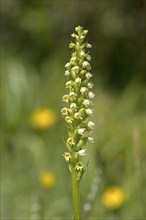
(85, 32)
(68, 65)
(71, 45)
(88, 45)
(78, 29)
(82, 53)
(82, 152)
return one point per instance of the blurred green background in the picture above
(35, 181)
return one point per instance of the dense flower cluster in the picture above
(78, 100)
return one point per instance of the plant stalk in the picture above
(76, 196)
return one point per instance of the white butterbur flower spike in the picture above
(78, 105)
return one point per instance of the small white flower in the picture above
(83, 90)
(67, 65)
(81, 131)
(90, 139)
(68, 119)
(79, 28)
(73, 106)
(69, 84)
(65, 98)
(73, 59)
(72, 96)
(70, 141)
(86, 102)
(75, 69)
(82, 53)
(65, 111)
(82, 152)
(90, 85)
(88, 75)
(90, 125)
(67, 156)
(78, 116)
(91, 95)
(78, 80)
(86, 64)
(88, 111)
(79, 166)
(67, 73)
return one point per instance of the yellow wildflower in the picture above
(114, 197)
(43, 118)
(47, 180)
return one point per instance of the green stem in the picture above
(76, 196)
